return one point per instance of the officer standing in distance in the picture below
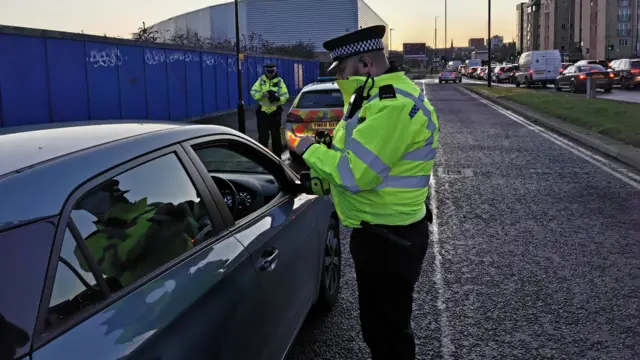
(378, 165)
(271, 93)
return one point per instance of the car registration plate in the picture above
(540, 72)
(324, 125)
(598, 76)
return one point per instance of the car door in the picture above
(279, 229)
(563, 79)
(161, 280)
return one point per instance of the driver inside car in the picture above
(134, 238)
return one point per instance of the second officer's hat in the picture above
(355, 43)
(269, 68)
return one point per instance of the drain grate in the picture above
(454, 172)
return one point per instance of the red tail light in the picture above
(499, 72)
(582, 76)
(635, 71)
(294, 118)
(531, 71)
(561, 71)
(612, 75)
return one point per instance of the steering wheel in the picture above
(224, 184)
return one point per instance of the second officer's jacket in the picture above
(263, 85)
(383, 153)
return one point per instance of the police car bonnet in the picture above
(355, 43)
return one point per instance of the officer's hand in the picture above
(323, 137)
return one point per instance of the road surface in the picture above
(534, 252)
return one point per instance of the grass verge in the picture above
(615, 119)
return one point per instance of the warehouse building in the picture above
(279, 21)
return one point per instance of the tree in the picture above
(251, 43)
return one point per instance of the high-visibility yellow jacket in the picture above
(263, 85)
(382, 158)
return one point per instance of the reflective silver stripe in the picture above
(425, 153)
(405, 182)
(346, 174)
(351, 125)
(370, 158)
(419, 102)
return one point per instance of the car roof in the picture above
(36, 144)
(319, 86)
(49, 182)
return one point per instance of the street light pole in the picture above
(390, 38)
(241, 118)
(435, 43)
(490, 45)
(445, 29)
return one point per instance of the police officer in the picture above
(271, 93)
(378, 165)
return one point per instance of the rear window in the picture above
(635, 64)
(320, 99)
(591, 67)
(24, 257)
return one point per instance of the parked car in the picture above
(462, 69)
(157, 241)
(479, 75)
(626, 73)
(473, 63)
(318, 106)
(575, 78)
(449, 75)
(538, 67)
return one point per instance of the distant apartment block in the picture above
(521, 10)
(495, 41)
(608, 29)
(556, 24)
(531, 26)
(477, 43)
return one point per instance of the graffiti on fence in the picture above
(105, 57)
(209, 59)
(153, 57)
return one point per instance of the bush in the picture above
(252, 43)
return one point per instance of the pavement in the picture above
(618, 93)
(534, 250)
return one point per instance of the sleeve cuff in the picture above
(304, 144)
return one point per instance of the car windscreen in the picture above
(218, 159)
(590, 67)
(635, 64)
(320, 99)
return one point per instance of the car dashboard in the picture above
(253, 191)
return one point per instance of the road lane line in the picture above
(446, 345)
(602, 163)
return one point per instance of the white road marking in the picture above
(446, 345)
(600, 162)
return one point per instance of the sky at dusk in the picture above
(412, 20)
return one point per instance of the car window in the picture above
(130, 226)
(570, 70)
(244, 191)
(591, 67)
(24, 257)
(219, 159)
(320, 99)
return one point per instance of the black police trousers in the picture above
(269, 124)
(386, 273)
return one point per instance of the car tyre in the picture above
(625, 83)
(440, 81)
(557, 86)
(572, 86)
(527, 83)
(517, 83)
(608, 91)
(331, 268)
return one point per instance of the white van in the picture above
(538, 67)
(473, 62)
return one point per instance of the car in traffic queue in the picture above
(157, 240)
(462, 69)
(601, 62)
(538, 67)
(480, 74)
(471, 71)
(626, 73)
(501, 73)
(575, 78)
(318, 106)
(449, 74)
(564, 67)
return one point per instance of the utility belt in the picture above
(383, 231)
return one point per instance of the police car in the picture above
(319, 106)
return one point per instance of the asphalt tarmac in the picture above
(534, 254)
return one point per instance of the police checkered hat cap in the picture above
(269, 66)
(355, 43)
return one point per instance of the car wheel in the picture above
(557, 85)
(572, 87)
(517, 84)
(527, 83)
(440, 81)
(625, 83)
(608, 91)
(331, 268)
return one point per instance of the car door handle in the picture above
(268, 260)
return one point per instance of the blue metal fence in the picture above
(47, 79)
